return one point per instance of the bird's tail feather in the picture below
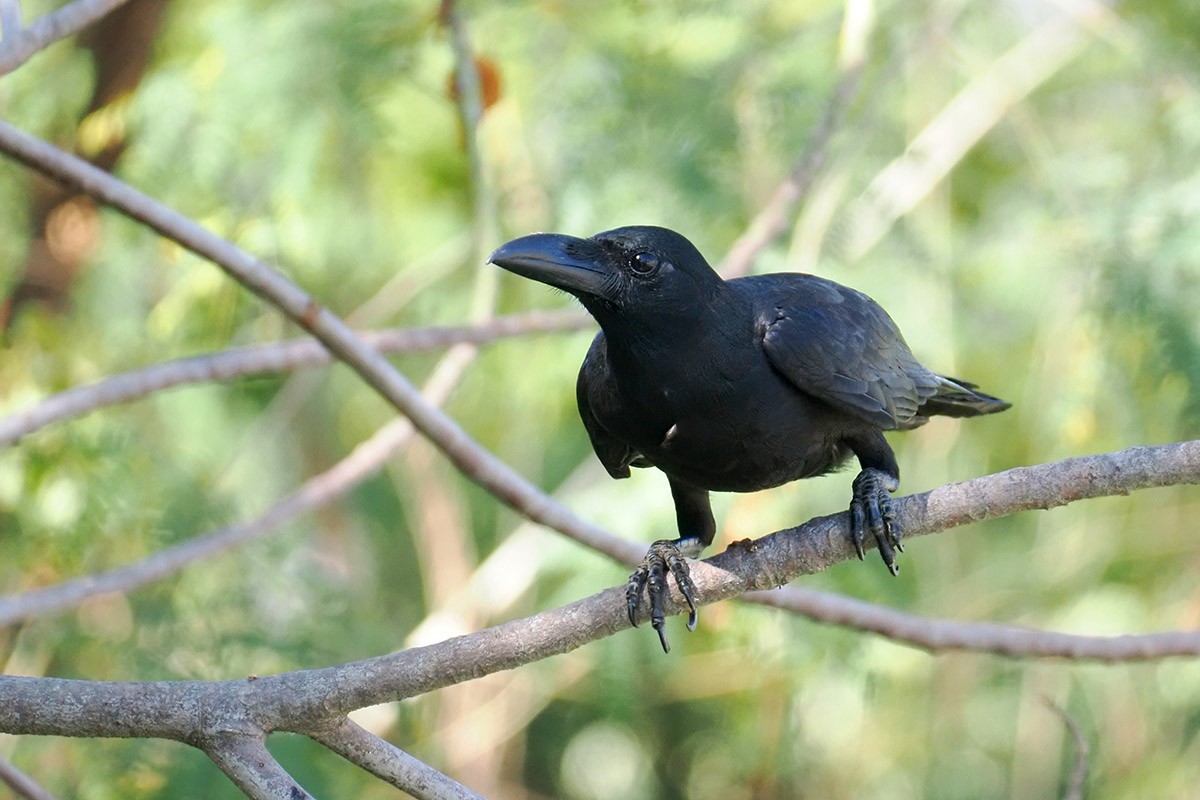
(956, 398)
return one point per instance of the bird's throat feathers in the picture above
(665, 344)
(669, 330)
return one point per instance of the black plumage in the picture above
(735, 385)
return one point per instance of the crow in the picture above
(734, 385)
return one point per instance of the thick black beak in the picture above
(566, 262)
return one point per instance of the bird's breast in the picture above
(737, 426)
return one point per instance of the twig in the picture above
(941, 635)
(386, 761)
(774, 218)
(48, 29)
(308, 700)
(1079, 773)
(364, 461)
(10, 23)
(245, 759)
(474, 461)
(267, 358)
(22, 784)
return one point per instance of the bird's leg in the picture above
(871, 501)
(667, 556)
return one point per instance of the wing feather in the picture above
(840, 346)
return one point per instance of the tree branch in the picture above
(20, 783)
(1079, 772)
(46, 30)
(472, 460)
(308, 700)
(942, 635)
(364, 461)
(10, 23)
(386, 761)
(257, 359)
(247, 762)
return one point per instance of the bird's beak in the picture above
(565, 262)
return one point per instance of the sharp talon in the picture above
(633, 592)
(683, 579)
(871, 509)
(887, 554)
(649, 580)
(857, 523)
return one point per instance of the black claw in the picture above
(633, 592)
(857, 523)
(650, 577)
(889, 523)
(887, 554)
(683, 579)
(871, 509)
(656, 589)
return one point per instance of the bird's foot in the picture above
(871, 510)
(650, 577)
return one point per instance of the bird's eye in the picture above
(644, 263)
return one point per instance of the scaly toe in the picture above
(649, 580)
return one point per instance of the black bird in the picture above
(735, 385)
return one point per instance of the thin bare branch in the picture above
(364, 461)
(775, 217)
(21, 784)
(473, 460)
(245, 759)
(1074, 790)
(942, 635)
(267, 358)
(308, 700)
(386, 761)
(468, 455)
(10, 23)
(46, 30)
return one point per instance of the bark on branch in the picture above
(387, 762)
(313, 700)
(495, 476)
(20, 46)
(239, 362)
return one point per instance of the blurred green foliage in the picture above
(1057, 266)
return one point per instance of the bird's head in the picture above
(619, 274)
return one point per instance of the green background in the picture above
(1057, 265)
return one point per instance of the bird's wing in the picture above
(839, 346)
(615, 455)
